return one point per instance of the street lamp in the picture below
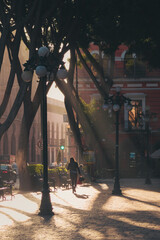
(42, 67)
(115, 102)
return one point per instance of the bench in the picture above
(7, 189)
(62, 182)
(65, 182)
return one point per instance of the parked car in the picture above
(7, 172)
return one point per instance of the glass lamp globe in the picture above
(41, 71)
(62, 73)
(116, 107)
(26, 76)
(43, 51)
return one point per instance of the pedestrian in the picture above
(74, 170)
(1, 186)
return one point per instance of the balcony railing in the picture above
(132, 68)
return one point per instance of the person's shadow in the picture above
(84, 196)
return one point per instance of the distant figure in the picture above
(1, 186)
(74, 169)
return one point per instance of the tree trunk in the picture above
(22, 157)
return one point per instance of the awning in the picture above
(156, 154)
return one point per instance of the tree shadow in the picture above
(86, 185)
(70, 222)
(140, 201)
(139, 183)
(83, 196)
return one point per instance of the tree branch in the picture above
(94, 79)
(99, 68)
(14, 110)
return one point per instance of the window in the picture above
(132, 118)
(134, 114)
(52, 160)
(52, 137)
(134, 67)
(62, 130)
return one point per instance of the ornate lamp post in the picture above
(40, 65)
(115, 102)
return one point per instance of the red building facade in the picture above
(142, 86)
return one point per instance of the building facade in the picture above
(142, 85)
(57, 124)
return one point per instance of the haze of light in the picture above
(54, 92)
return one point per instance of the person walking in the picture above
(74, 170)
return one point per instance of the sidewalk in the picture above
(92, 213)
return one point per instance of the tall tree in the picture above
(60, 24)
(67, 25)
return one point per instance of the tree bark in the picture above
(22, 157)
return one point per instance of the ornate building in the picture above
(142, 85)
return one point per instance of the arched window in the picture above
(53, 133)
(57, 131)
(134, 67)
(52, 155)
(62, 131)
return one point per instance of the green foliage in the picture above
(62, 170)
(53, 171)
(35, 169)
(135, 68)
(57, 171)
(90, 108)
(100, 119)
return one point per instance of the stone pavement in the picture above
(92, 213)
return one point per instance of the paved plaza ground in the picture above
(92, 213)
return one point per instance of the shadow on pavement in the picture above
(86, 185)
(140, 201)
(83, 196)
(107, 216)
